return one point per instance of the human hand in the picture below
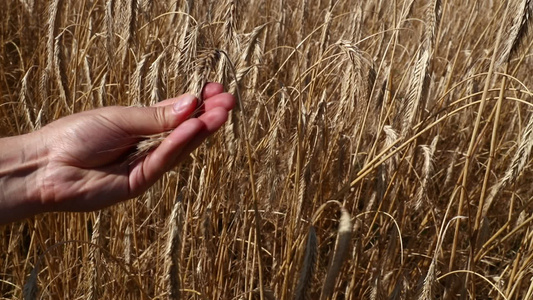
(85, 159)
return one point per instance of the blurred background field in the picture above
(381, 149)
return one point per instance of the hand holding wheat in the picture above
(83, 162)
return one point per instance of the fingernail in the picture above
(184, 103)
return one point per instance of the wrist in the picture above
(22, 160)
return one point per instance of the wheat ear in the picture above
(60, 73)
(175, 223)
(204, 65)
(427, 171)
(516, 167)
(23, 101)
(521, 11)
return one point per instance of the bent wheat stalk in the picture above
(342, 246)
(203, 66)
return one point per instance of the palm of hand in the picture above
(88, 161)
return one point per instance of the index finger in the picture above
(171, 100)
(211, 89)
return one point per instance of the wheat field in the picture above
(379, 149)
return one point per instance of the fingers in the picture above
(212, 89)
(213, 94)
(156, 119)
(213, 120)
(223, 100)
(138, 121)
(193, 131)
(150, 169)
(172, 100)
(184, 139)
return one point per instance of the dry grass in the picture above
(414, 116)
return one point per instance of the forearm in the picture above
(22, 159)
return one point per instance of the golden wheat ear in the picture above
(151, 142)
(171, 255)
(148, 144)
(204, 64)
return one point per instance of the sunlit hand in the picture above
(83, 161)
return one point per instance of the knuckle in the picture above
(161, 117)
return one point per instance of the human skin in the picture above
(83, 162)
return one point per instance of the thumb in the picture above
(154, 119)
